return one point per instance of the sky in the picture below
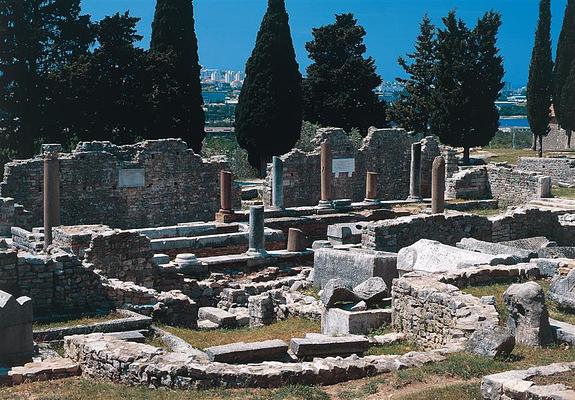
(227, 29)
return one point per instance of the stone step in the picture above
(130, 336)
(317, 345)
(216, 315)
(239, 353)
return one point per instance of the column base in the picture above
(257, 253)
(415, 198)
(372, 201)
(225, 216)
(325, 204)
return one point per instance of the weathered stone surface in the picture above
(16, 340)
(491, 342)
(353, 266)
(337, 291)
(207, 325)
(533, 243)
(431, 256)
(221, 317)
(315, 345)
(528, 317)
(239, 353)
(337, 322)
(562, 290)
(361, 306)
(346, 233)
(557, 252)
(480, 246)
(176, 309)
(372, 290)
(261, 310)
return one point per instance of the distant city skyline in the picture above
(226, 29)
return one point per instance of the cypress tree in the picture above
(563, 60)
(178, 111)
(269, 111)
(340, 84)
(412, 109)
(568, 102)
(539, 87)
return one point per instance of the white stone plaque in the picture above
(342, 165)
(130, 178)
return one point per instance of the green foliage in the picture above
(564, 58)
(568, 101)
(237, 157)
(539, 87)
(308, 132)
(412, 110)
(339, 88)
(177, 94)
(269, 111)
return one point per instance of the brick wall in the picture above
(513, 187)
(177, 185)
(559, 169)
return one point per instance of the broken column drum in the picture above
(296, 240)
(371, 187)
(51, 191)
(415, 172)
(226, 192)
(438, 186)
(278, 183)
(326, 175)
(256, 232)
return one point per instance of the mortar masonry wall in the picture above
(559, 169)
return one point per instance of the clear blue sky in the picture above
(227, 29)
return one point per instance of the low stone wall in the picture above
(450, 228)
(515, 187)
(57, 284)
(468, 184)
(434, 314)
(559, 169)
(13, 214)
(525, 222)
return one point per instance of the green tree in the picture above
(568, 104)
(177, 96)
(540, 85)
(563, 61)
(269, 111)
(37, 38)
(412, 110)
(340, 84)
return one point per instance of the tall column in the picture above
(438, 185)
(415, 172)
(326, 175)
(226, 192)
(51, 191)
(371, 187)
(257, 244)
(278, 183)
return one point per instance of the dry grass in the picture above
(486, 212)
(566, 378)
(88, 320)
(563, 192)
(284, 330)
(510, 156)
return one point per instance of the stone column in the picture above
(326, 176)
(51, 191)
(415, 172)
(226, 192)
(296, 240)
(257, 244)
(278, 183)
(438, 185)
(371, 187)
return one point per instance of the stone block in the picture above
(533, 243)
(562, 290)
(315, 345)
(16, 337)
(176, 309)
(372, 291)
(353, 266)
(261, 310)
(491, 342)
(336, 291)
(337, 322)
(242, 353)
(480, 246)
(218, 316)
(347, 233)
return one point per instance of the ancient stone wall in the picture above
(151, 183)
(528, 222)
(56, 284)
(469, 184)
(385, 151)
(513, 187)
(559, 169)
(392, 235)
(12, 214)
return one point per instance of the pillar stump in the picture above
(226, 213)
(371, 188)
(415, 173)
(51, 191)
(297, 240)
(326, 176)
(257, 246)
(438, 185)
(278, 183)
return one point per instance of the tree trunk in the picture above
(465, 156)
(568, 132)
(264, 160)
(534, 144)
(540, 146)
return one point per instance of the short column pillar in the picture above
(371, 187)
(278, 183)
(226, 192)
(326, 176)
(415, 172)
(438, 185)
(51, 191)
(257, 244)
(297, 240)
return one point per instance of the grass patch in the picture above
(510, 156)
(284, 330)
(566, 378)
(84, 320)
(311, 291)
(563, 192)
(398, 348)
(485, 212)
(465, 391)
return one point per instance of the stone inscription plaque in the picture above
(343, 165)
(131, 178)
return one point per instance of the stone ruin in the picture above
(364, 241)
